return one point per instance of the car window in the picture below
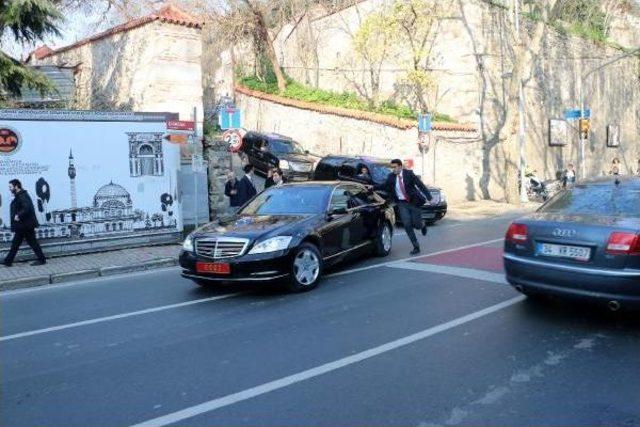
(597, 200)
(360, 196)
(339, 199)
(281, 146)
(379, 172)
(295, 200)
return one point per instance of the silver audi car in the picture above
(582, 243)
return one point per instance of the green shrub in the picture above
(300, 92)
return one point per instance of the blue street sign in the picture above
(575, 114)
(229, 118)
(424, 122)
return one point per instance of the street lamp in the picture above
(583, 77)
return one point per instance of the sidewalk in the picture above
(479, 209)
(77, 267)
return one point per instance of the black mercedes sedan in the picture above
(290, 233)
(583, 243)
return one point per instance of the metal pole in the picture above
(521, 116)
(194, 166)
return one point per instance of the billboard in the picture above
(91, 175)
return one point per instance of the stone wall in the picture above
(470, 59)
(154, 67)
(451, 153)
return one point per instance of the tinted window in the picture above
(281, 146)
(379, 172)
(289, 201)
(596, 200)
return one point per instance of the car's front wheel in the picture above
(306, 268)
(384, 240)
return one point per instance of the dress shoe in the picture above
(39, 262)
(424, 230)
(415, 251)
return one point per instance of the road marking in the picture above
(469, 273)
(385, 264)
(114, 317)
(268, 387)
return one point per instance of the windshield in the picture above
(614, 201)
(280, 146)
(289, 201)
(380, 172)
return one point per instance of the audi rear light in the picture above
(621, 243)
(517, 233)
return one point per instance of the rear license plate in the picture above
(213, 267)
(563, 251)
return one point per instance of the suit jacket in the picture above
(246, 190)
(234, 199)
(22, 206)
(415, 189)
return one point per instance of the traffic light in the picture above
(584, 126)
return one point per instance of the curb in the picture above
(120, 269)
(74, 275)
(25, 282)
(46, 279)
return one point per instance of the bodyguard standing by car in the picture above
(409, 193)
(246, 187)
(23, 224)
(231, 191)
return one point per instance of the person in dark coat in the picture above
(409, 193)
(231, 191)
(23, 224)
(246, 186)
(269, 181)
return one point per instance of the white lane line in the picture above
(250, 393)
(385, 264)
(468, 273)
(114, 317)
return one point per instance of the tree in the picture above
(25, 21)
(403, 30)
(525, 50)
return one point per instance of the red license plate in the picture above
(213, 267)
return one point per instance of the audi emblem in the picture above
(564, 232)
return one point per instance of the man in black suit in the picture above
(23, 224)
(246, 188)
(408, 192)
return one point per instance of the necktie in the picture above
(402, 189)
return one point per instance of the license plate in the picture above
(213, 267)
(563, 251)
(428, 215)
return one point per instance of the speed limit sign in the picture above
(233, 137)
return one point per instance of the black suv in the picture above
(347, 168)
(265, 151)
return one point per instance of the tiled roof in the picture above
(355, 114)
(169, 14)
(41, 52)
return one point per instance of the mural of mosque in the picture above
(111, 213)
(145, 154)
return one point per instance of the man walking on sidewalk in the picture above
(408, 192)
(23, 224)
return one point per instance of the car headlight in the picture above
(443, 198)
(187, 245)
(284, 164)
(273, 244)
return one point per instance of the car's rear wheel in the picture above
(306, 268)
(384, 240)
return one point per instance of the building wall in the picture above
(470, 59)
(155, 67)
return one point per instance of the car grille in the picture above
(218, 248)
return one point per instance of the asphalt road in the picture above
(434, 340)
